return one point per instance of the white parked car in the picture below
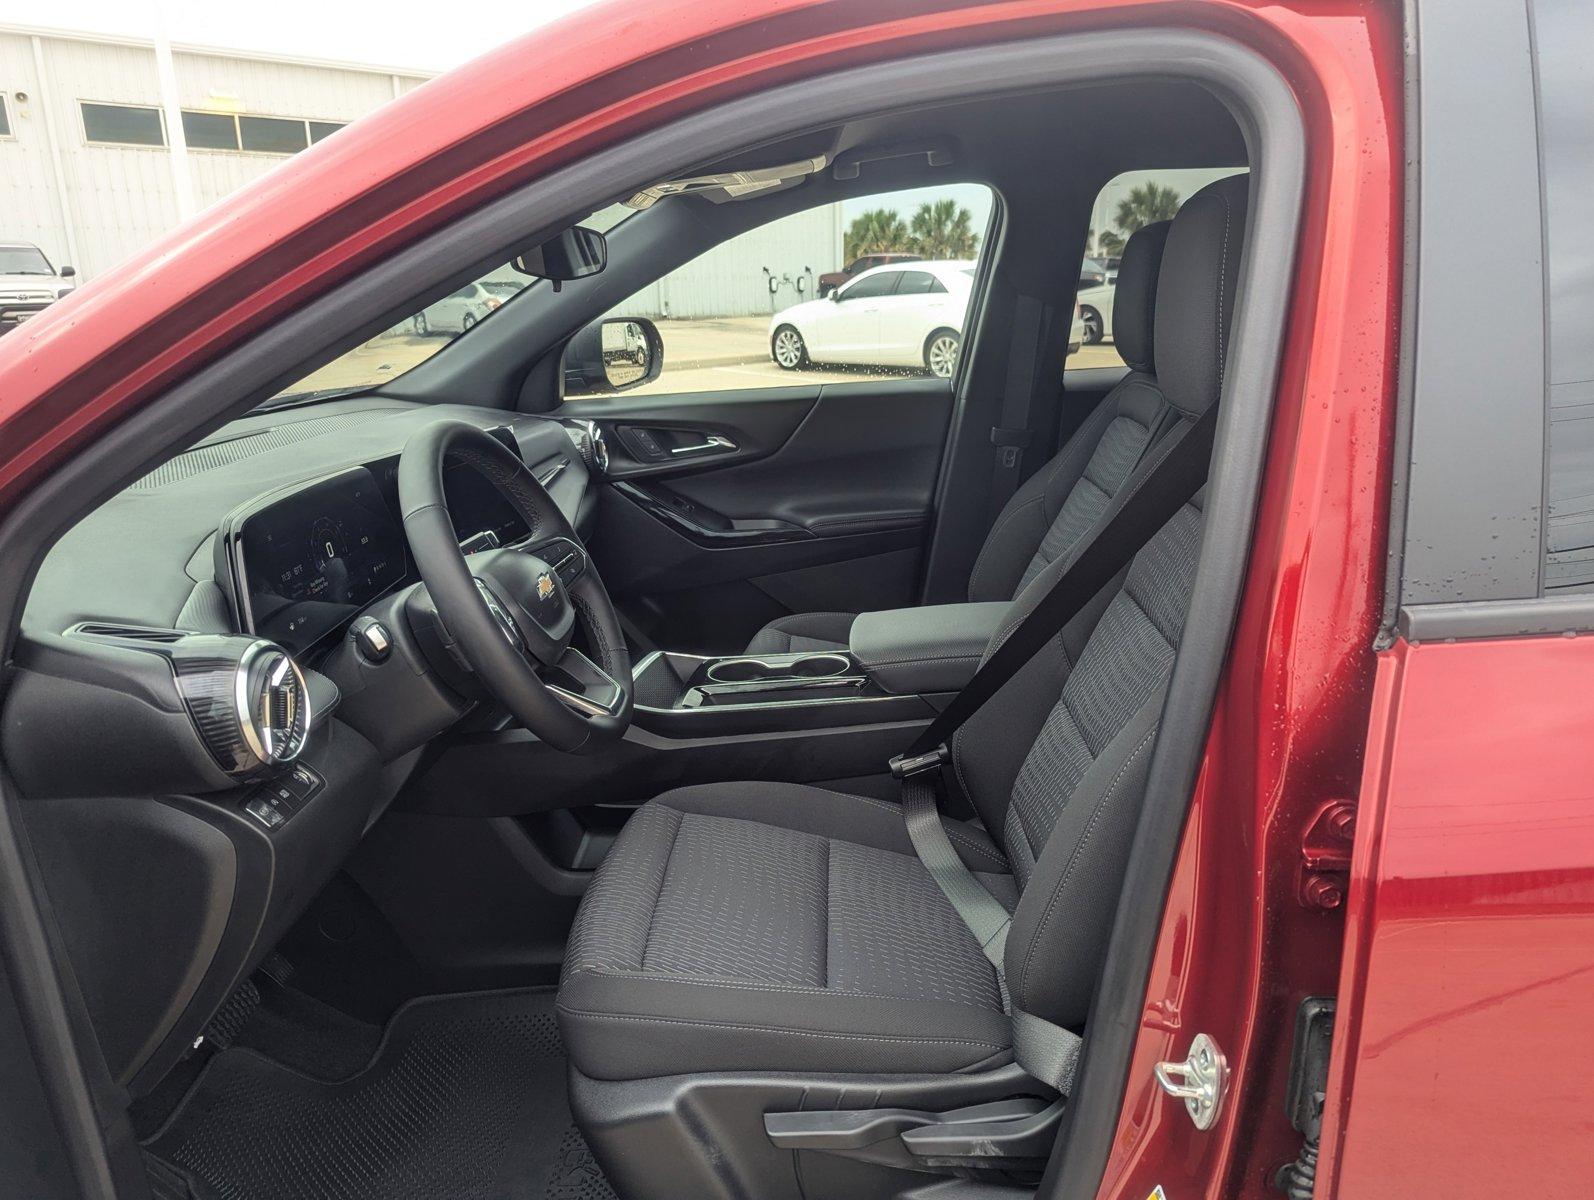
(458, 311)
(1095, 308)
(892, 316)
(28, 283)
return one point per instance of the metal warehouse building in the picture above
(87, 168)
(93, 166)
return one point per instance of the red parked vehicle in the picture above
(831, 280)
(484, 779)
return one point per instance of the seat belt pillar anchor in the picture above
(903, 766)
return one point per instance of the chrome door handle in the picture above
(715, 442)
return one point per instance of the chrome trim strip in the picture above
(547, 478)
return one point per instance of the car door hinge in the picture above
(1325, 856)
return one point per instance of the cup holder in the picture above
(757, 670)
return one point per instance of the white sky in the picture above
(433, 35)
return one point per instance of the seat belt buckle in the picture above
(902, 766)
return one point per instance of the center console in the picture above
(829, 718)
(899, 667)
(694, 695)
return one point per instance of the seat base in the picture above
(702, 1136)
(772, 926)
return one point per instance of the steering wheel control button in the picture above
(501, 615)
(373, 640)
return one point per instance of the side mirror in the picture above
(614, 354)
(834, 295)
(573, 254)
(68, 272)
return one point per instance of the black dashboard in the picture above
(148, 556)
(141, 662)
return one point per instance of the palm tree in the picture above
(944, 229)
(1108, 244)
(1145, 204)
(878, 231)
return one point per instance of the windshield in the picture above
(24, 260)
(425, 331)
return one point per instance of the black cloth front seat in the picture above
(1054, 508)
(776, 927)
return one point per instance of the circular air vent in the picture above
(273, 703)
(590, 443)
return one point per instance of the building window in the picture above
(138, 125)
(123, 125)
(272, 135)
(5, 116)
(210, 131)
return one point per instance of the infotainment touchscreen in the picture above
(313, 558)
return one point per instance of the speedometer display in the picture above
(315, 557)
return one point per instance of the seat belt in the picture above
(1014, 435)
(1152, 503)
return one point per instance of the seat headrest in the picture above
(1136, 296)
(1195, 293)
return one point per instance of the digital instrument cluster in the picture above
(302, 563)
(310, 560)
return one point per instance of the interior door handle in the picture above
(715, 442)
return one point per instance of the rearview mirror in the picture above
(613, 355)
(574, 254)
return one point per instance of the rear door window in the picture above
(1129, 201)
(919, 283)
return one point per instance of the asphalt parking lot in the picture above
(699, 356)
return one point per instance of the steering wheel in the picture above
(511, 611)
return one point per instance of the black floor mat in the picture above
(464, 1100)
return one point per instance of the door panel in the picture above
(1469, 918)
(852, 329)
(812, 499)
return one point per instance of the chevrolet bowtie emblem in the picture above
(544, 586)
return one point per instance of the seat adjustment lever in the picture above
(1002, 1134)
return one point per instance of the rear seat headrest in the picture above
(1136, 296)
(1195, 293)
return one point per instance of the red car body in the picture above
(1470, 908)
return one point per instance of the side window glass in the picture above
(1129, 201)
(871, 287)
(1562, 34)
(918, 283)
(778, 306)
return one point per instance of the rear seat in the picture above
(1056, 507)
